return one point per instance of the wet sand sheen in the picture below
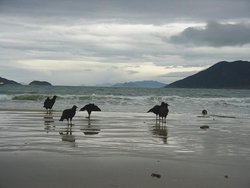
(122, 150)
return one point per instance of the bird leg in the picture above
(165, 120)
(162, 119)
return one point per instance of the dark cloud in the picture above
(113, 38)
(143, 10)
(215, 34)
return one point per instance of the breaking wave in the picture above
(127, 99)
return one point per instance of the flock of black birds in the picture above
(68, 114)
(160, 111)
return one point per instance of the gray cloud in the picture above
(215, 34)
(133, 10)
(111, 39)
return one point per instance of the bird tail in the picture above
(61, 119)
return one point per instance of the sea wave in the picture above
(147, 99)
(4, 97)
(30, 97)
(182, 101)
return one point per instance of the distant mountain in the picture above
(146, 83)
(4, 81)
(221, 75)
(40, 83)
(104, 85)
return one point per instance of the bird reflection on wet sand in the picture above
(160, 131)
(67, 134)
(48, 122)
(90, 130)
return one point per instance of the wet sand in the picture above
(122, 150)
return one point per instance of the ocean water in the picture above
(222, 102)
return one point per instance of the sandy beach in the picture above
(122, 150)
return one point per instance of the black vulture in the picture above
(90, 107)
(155, 110)
(48, 103)
(68, 114)
(163, 111)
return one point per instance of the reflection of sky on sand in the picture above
(90, 128)
(160, 130)
(109, 133)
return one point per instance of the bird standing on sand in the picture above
(69, 114)
(90, 107)
(49, 103)
(204, 112)
(163, 111)
(155, 110)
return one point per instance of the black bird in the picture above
(90, 107)
(204, 112)
(49, 103)
(69, 114)
(155, 110)
(163, 111)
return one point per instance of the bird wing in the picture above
(90, 107)
(95, 108)
(84, 108)
(65, 113)
(155, 109)
(52, 102)
(46, 102)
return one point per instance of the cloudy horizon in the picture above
(95, 42)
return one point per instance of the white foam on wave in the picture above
(4, 97)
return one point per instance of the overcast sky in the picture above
(80, 42)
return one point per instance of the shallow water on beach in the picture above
(128, 134)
